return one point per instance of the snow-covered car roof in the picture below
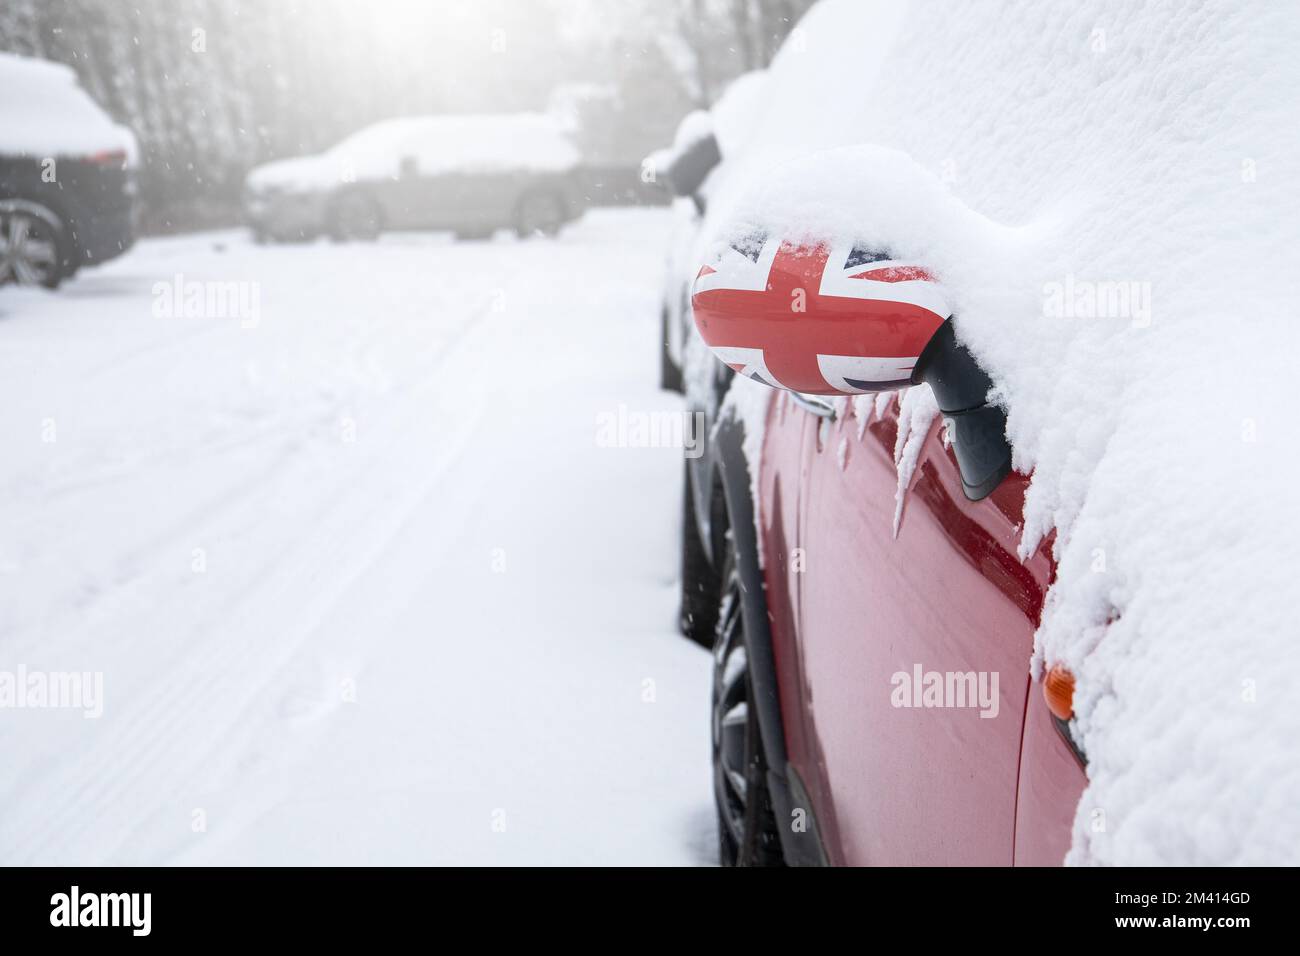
(737, 109)
(471, 143)
(729, 121)
(1102, 187)
(43, 112)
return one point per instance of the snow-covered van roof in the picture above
(43, 112)
(473, 143)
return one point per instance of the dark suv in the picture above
(67, 186)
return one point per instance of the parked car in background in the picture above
(694, 166)
(688, 169)
(67, 176)
(469, 174)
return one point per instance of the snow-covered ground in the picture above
(360, 578)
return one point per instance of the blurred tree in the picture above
(211, 87)
(20, 28)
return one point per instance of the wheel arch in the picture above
(733, 471)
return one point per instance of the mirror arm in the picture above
(952, 373)
(817, 406)
(978, 428)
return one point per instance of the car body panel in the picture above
(461, 203)
(678, 275)
(707, 382)
(285, 215)
(465, 202)
(900, 785)
(95, 201)
(1051, 783)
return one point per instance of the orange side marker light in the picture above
(1058, 691)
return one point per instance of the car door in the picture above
(901, 770)
(1052, 780)
(444, 183)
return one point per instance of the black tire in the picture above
(540, 213)
(698, 615)
(670, 374)
(747, 828)
(357, 217)
(37, 251)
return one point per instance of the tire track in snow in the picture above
(109, 780)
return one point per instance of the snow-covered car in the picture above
(67, 177)
(469, 174)
(688, 169)
(990, 585)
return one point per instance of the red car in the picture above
(872, 697)
(873, 702)
(872, 622)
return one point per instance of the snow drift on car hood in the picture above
(1109, 191)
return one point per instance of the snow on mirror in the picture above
(820, 296)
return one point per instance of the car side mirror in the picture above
(838, 319)
(688, 167)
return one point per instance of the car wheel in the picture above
(31, 237)
(747, 830)
(539, 213)
(355, 217)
